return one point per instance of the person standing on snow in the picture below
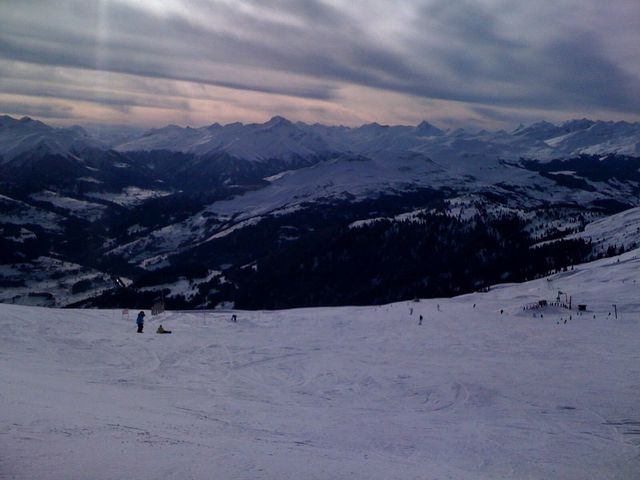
(140, 321)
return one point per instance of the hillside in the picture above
(212, 215)
(483, 389)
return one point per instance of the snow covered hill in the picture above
(484, 389)
(276, 139)
(28, 136)
(156, 205)
(373, 160)
(282, 139)
(357, 179)
(621, 230)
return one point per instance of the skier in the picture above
(162, 330)
(140, 321)
(234, 319)
(420, 322)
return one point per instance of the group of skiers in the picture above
(140, 323)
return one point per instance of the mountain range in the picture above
(206, 215)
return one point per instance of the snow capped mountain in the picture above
(225, 196)
(425, 129)
(280, 138)
(598, 138)
(284, 140)
(171, 137)
(34, 138)
(276, 139)
(618, 230)
(538, 131)
(586, 136)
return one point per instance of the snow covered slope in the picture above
(335, 392)
(357, 178)
(276, 139)
(51, 282)
(36, 138)
(620, 230)
(372, 160)
(16, 212)
(152, 209)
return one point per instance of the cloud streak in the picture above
(556, 57)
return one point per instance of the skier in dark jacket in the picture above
(140, 321)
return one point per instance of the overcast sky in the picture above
(490, 63)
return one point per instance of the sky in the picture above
(454, 63)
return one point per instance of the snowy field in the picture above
(333, 393)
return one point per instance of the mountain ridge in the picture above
(282, 138)
(208, 205)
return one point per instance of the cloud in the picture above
(557, 56)
(36, 110)
(81, 94)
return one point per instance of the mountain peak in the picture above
(574, 125)
(373, 126)
(424, 128)
(30, 121)
(7, 120)
(538, 131)
(277, 121)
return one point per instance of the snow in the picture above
(89, 180)
(342, 164)
(49, 281)
(368, 221)
(134, 229)
(80, 208)
(413, 216)
(333, 392)
(183, 286)
(356, 178)
(237, 226)
(155, 263)
(17, 212)
(129, 196)
(22, 235)
(32, 136)
(277, 138)
(334, 179)
(280, 138)
(277, 176)
(621, 229)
